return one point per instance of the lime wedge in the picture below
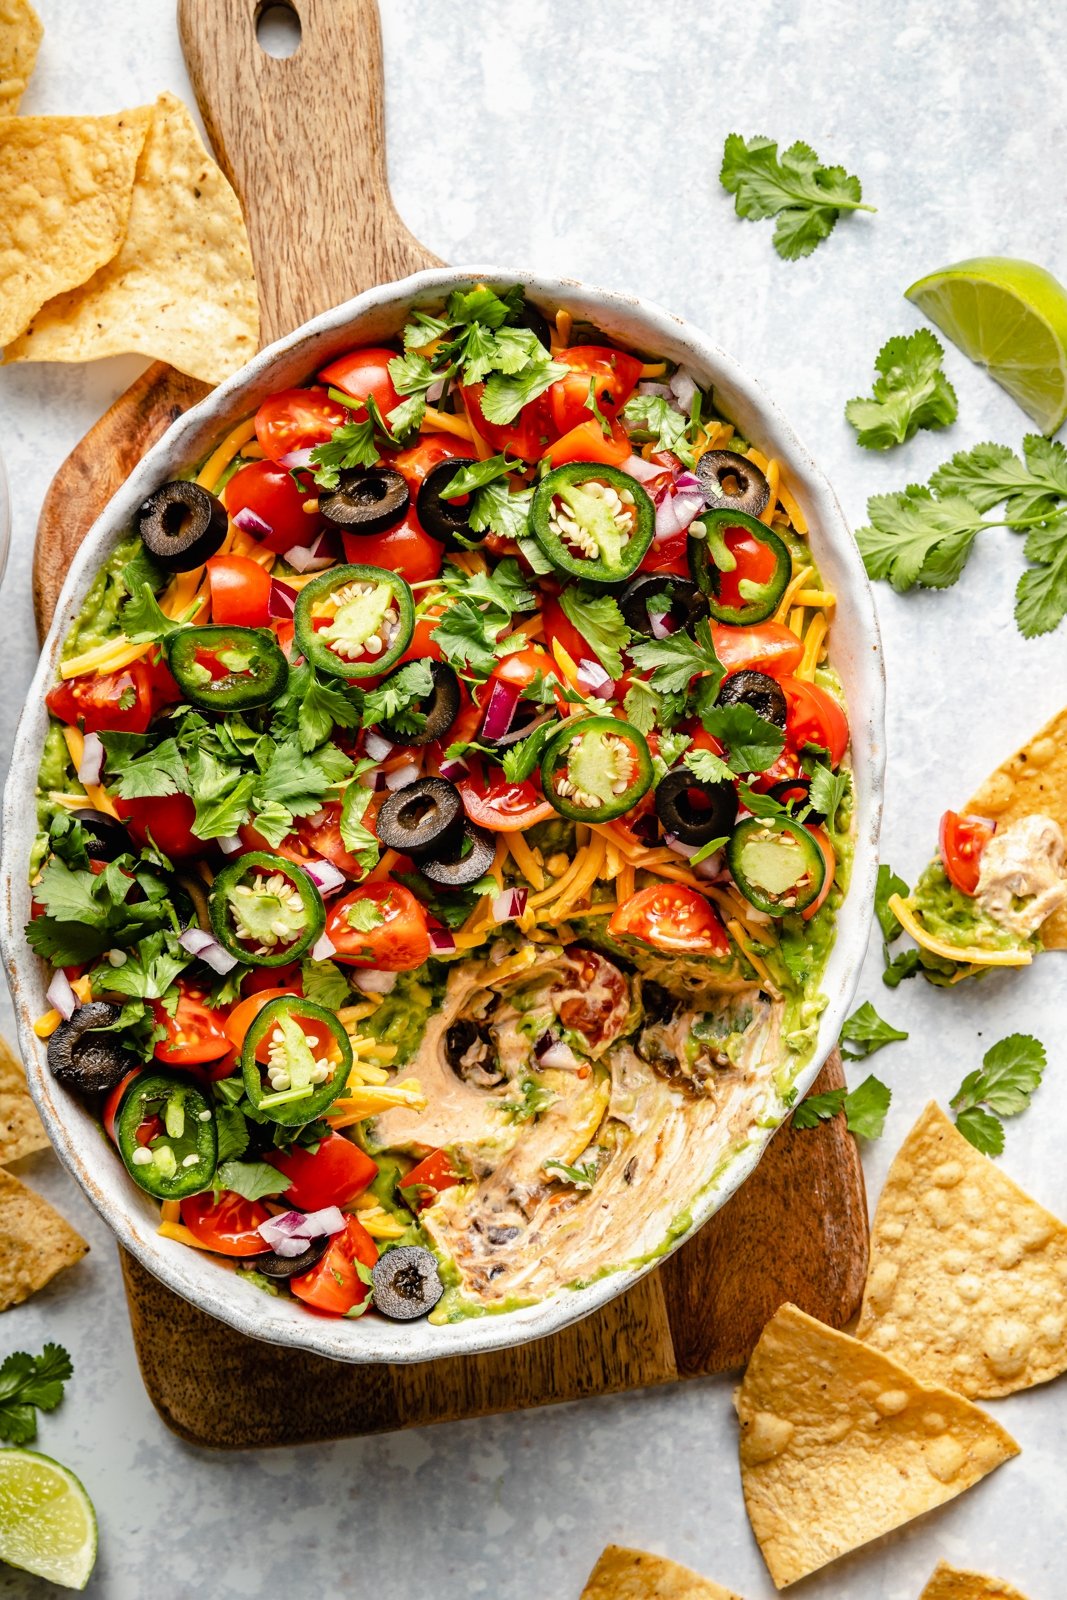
(1011, 318)
(47, 1521)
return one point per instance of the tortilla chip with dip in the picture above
(65, 188)
(968, 1275)
(622, 1574)
(181, 287)
(35, 1242)
(21, 1130)
(20, 35)
(951, 1583)
(840, 1444)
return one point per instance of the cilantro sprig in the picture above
(1002, 1087)
(867, 1032)
(29, 1384)
(806, 197)
(910, 392)
(865, 1108)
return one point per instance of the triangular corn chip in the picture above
(35, 1242)
(181, 288)
(65, 187)
(839, 1444)
(622, 1574)
(1033, 780)
(21, 1132)
(968, 1276)
(950, 1583)
(20, 35)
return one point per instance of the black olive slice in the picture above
(106, 837)
(447, 520)
(181, 525)
(732, 483)
(85, 1059)
(367, 500)
(273, 1265)
(426, 815)
(407, 1283)
(472, 863)
(794, 795)
(755, 689)
(440, 708)
(687, 602)
(692, 811)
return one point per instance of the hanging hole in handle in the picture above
(278, 29)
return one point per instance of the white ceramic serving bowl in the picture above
(372, 318)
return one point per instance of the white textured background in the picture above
(585, 139)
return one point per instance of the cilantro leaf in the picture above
(913, 538)
(828, 789)
(252, 1180)
(868, 1032)
(312, 707)
(356, 837)
(222, 794)
(148, 971)
(911, 392)
(992, 475)
(1002, 1087)
(674, 661)
(137, 769)
(865, 1108)
(1041, 593)
(982, 1129)
(353, 444)
(498, 509)
(805, 196)
(601, 624)
(708, 767)
(752, 743)
(665, 426)
(506, 393)
(142, 620)
(476, 474)
(392, 700)
(29, 1384)
(903, 965)
(325, 983)
(87, 913)
(520, 759)
(467, 638)
(889, 883)
(233, 1135)
(641, 706)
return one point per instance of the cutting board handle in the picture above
(302, 140)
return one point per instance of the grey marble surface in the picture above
(585, 139)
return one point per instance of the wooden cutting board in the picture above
(302, 141)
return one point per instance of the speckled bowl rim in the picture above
(857, 655)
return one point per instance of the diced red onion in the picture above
(92, 762)
(249, 521)
(310, 558)
(435, 391)
(660, 390)
(683, 387)
(442, 942)
(672, 841)
(676, 511)
(199, 943)
(377, 746)
(644, 471)
(401, 776)
(657, 621)
(296, 459)
(373, 779)
(499, 710)
(230, 844)
(373, 981)
(456, 768)
(688, 480)
(325, 876)
(703, 869)
(318, 818)
(594, 680)
(281, 602)
(323, 948)
(61, 996)
(558, 1055)
(290, 1233)
(508, 904)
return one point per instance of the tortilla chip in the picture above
(839, 1444)
(21, 1131)
(968, 1275)
(181, 289)
(65, 187)
(950, 1583)
(35, 1242)
(20, 34)
(623, 1574)
(1033, 780)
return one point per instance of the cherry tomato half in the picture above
(672, 917)
(268, 491)
(559, 629)
(297, 419)
(397, 943)
(962, 840)
(668, 555)
(503, 807)
(112, 1103)
(165, 821)
(613, 375)
(311, 840)
(822, 838)
(364, 372)
(431, 450)
(406, 549)
(526, 437)
(430, 1178)
(228, 1225)
(195, 1033)
(333, 1285)
(814, 717)
(768, 647)
(240, 592)
(114, 702)
(332, 1175)
(588, 442)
